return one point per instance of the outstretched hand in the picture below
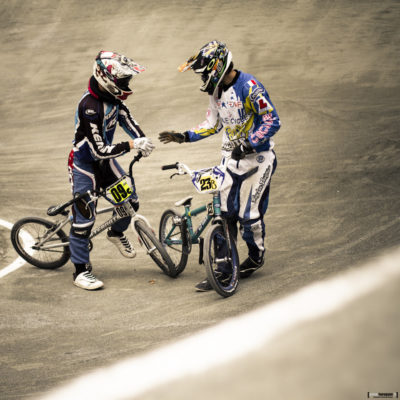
(171, 136)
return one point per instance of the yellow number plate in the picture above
(120, 191)
(207, 183)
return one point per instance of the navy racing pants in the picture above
(84, 177)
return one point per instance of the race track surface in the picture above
(332, 71)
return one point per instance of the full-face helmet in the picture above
(212, 62)
(114, 71)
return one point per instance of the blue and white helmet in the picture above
(114, 71)
(212, 62)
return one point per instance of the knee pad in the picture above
(84, 207)
(81, 232)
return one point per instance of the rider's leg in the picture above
(253, 210)
(110, 171)
(245, 193)
(84, 214)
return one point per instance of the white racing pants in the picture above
(245, 196)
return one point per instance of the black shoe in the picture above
(205, 286)
(248, 266)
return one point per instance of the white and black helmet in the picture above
(114, 71)
(213, 61)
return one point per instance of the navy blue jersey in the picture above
(96, 119)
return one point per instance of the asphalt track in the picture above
(332, 70)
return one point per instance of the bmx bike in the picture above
(218, 250)
(44, 244)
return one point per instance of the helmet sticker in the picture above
(113, 72)
(212, 62)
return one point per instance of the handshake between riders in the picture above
(239, 107)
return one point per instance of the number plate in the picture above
(207, 183)
(208, 180)
(120, 191)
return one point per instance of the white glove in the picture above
(144, 144)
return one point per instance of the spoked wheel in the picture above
(36, 241)
(155, 249)
(174, 239)
(221, 261)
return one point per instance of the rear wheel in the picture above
(173, 237)
(36, 241)
(221, 261)
(154, 248)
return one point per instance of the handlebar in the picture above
(181, 167)
(170, 166)
(135, 159)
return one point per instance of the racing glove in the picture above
(171, 136)
(240, 151)
(144, 145)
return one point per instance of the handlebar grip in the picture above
(170, 166)
(137, 157)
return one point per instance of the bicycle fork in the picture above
(226, 229)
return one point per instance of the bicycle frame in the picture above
(217, 250)
(214, 212)
(213, 209)
(122, 210)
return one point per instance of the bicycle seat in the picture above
(187, 201)
(60, 209)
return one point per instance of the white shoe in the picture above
(123, 245)
(86, 280)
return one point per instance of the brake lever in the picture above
(177, 173)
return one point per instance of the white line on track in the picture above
(18, 263)
(202, 351)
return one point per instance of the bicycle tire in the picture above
(27, 232)
(155, 249)
(177, 243)
(214, 242)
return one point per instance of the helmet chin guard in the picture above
(113, 73)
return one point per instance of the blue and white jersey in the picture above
(242, 111)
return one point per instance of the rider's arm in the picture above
(89, 128)
(210, 126)
(128, 123)
(266, 119)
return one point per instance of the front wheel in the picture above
(155, 249)
(221, 261)
(173, 237)
(39, 242)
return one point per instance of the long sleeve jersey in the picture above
(243, 110)
(96, 119)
